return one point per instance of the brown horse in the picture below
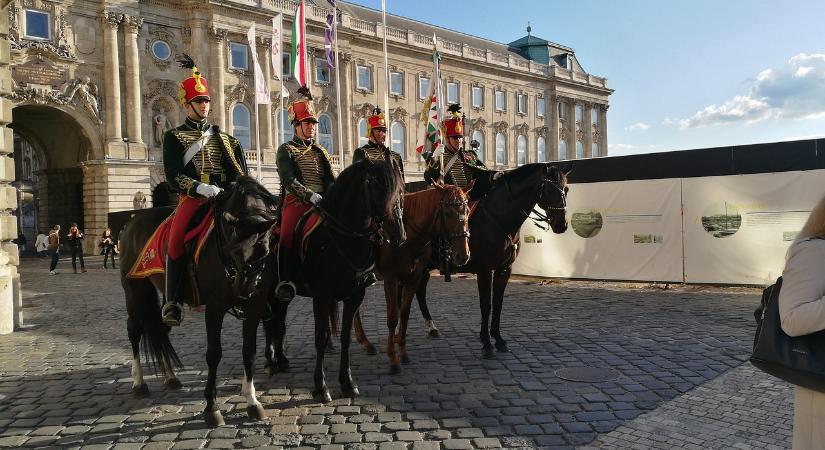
(439, 212)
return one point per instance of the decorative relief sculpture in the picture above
(86, 93)
(160, 124)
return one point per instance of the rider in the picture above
(375, 149)
(198, 160)
(461, 166)
(306, 173)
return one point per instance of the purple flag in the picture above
(328, 37)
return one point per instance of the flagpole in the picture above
(257, 120)
(280, 118)
(386, 71)
(338, 88)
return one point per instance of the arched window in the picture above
(501, 149)
(397, 133)
(362, 132)
(595, 149)
(579, 150)
(479, 137)
(541, 156)
(325, 133)
(283, 123)
(240, 125)
(521, 150)
(562, 150)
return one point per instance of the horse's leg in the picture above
(269, 353)
(278, 327)
(484, 278)
(214, 322)
(406, 304)
(169, 379)
(320, 310)
(351, 305)
(390, 293)
(500, 279)
(253, 407)
(421, 296)
(361, 335)
(135, 330)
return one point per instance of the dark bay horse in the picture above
(363, 204)
(494, 236)
(230, 266)
(438, 212)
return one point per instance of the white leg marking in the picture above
(248, 391)
(137, 373)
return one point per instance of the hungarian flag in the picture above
(429, 142)
(297, 54)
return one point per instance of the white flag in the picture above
(277, 51)
(261, 88)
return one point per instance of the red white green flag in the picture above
(430, 141)
(297, 54)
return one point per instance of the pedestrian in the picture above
(41, 244)
(75, 238)
(802, 311)
(53, 248)
(107, 242)
(21, 243)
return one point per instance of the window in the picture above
(562, 111)
(521, 150)
(500, 101)
(501, 149)
(562, 150)
(452, 93)
(521, 103)
(322, 74)
(364, 75)
(285, 58)
(478, 96)
(396, 83)
(594, 116)
(398, 139)
(240, 125)
(238, 56)
(325, 132)
(362, 132)
(161, 50)
(579, 150)
(578, 113)
(423, 87)
(539, 106)
(283, 124)
(541, 155)
(37, 24)
(595, 149)
(478, 136)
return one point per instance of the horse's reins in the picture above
(230, 270)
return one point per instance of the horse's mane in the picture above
(522, 172)
(416, 201)
(248, 185)
(349, 183)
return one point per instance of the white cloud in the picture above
(668, 121)
(638, 126)
(793, 91)
(630, 149)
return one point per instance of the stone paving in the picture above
(65, 379)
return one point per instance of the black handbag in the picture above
(797, 360)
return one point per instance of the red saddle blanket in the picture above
(153, 255)
(310, 224)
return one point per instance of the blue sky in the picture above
(686, 74)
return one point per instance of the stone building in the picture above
(94, 85)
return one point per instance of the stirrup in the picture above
(285, 291)
(172, 314)
(238, 312)
(368, 279)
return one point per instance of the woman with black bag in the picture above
(802, 312)
(107, 242)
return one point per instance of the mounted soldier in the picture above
(375, 148)
(306, 173)
(199, 160)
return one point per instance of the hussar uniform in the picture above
(374, 151)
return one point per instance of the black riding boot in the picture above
(285, 290)
(172, 309)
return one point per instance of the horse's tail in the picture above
(144, 305)
(333, 318)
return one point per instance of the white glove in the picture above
(315, 198)
(207, 190)
(497, 175)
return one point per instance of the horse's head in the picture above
(245, 212)
(553, 197)
(453, 218)
(384, 190)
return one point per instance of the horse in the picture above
(438, 212)
(364, 204)
(230, 266)
(494, 237)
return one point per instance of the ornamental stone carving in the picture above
(542, 132)
(399, 115)
(186, 35)
(217, 34)
(133, 23)
(236, 94)
(523, 128)
(57, 46)
(363, 110)
(86, 93)
(501, 126)
(478, 124)
(38, 96)
(112, 19)
(157, 88)
(324, 104)
(161, 34)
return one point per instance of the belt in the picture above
(212, 178)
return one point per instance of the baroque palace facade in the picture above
(94, 86)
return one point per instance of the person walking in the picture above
(107, 241)
(75, 238)
(53, 247)
(41, 244)
(802, 311)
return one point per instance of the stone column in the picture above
(137, 149)
(570, 132)
(111, 63)
(11, 299)
(603, 129)
(216, 81)
(587, 128)
(264, 115)
(345, 63)
(551, 145)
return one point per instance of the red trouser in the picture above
(180, 222)
(291, 213)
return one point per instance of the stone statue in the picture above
(139, 200)
(86, 91)
(160, 123)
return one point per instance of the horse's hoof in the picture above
(322, 396)
(351, 392)
(395, 369)
(502, 347)
(370, 349)
(487, 353)
(213, 419)
(140, 391)
(173, 384)
(433, 333)
(255, 412)
(405, 359)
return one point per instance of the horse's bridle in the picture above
(231, 271)
(541, 217)
(442, 218)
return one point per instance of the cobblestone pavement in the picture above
(65, 379)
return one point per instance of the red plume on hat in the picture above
(193, 86)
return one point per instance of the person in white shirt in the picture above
(41, 243)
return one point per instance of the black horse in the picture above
(494, 237)
(229, 269)
(363, 205)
